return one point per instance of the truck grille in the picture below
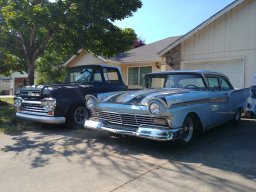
(33, 107)
(129, 119)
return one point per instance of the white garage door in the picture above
(234, 70)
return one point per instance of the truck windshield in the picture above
(187, 81)
(84, 75)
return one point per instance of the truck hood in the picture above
(55, 90)
(142, 97)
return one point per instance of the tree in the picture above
(50, 69)
(29, 28)
(138, 43)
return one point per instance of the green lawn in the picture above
(6, 113)
(8, 121)
(8, 100)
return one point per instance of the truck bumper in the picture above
(41, 119)
(143, 131)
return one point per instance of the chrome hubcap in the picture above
(80, 115)
(237, 116)
(188, 129)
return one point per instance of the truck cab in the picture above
(64, 103)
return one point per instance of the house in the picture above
(134, 64)
(226, 42)
(4, 85)
(9, 85)
(18, 80)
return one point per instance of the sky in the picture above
(159, 19)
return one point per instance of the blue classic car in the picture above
(174, 105)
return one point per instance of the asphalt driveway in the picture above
(51, 159)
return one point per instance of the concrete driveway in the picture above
(51, 159)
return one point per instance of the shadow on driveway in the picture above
(227, 147)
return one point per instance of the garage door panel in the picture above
(234, 70)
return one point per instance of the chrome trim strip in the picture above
(35, 113)
(186, 103)
(41, 119)
(200, 101)
(152, 116)
(31, 102)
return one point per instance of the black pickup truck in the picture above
(64, 103)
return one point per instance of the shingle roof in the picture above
(145, 53)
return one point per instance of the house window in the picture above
(136, 75)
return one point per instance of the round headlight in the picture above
(91, 103)
(154, 108)
(17, 102)
(49, 104)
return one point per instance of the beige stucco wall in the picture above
(232, 36)
(85, 58)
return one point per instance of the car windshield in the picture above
(84, 75)
(187, 81)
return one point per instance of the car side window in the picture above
(225, 86)
(97, 76)
(111, 76)
(213, 83)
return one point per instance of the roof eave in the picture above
(112, 61)
(141, 61)
(71, 58)
(74, 56)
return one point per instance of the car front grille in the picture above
(129, 119)
(33, 107)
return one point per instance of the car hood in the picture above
(141, 97)
(55, 90)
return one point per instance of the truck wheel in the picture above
(77, 116)
(188, 131)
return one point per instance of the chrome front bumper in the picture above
(144, 131)
(41, 119)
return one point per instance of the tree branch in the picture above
(44, 44)
(23, 44)
(32, 35)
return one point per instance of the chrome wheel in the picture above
(238, 115)
(80, 114)
(188, 129)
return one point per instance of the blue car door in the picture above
(218, 102)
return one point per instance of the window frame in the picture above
(206, 76)
(137, 85)
(75, 69)
(115, 70)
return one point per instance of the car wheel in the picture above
(77, 116)
(188, 132)
(237, 116)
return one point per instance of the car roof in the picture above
(201, 72)
(96, 65)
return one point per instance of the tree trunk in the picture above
(31, 72)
